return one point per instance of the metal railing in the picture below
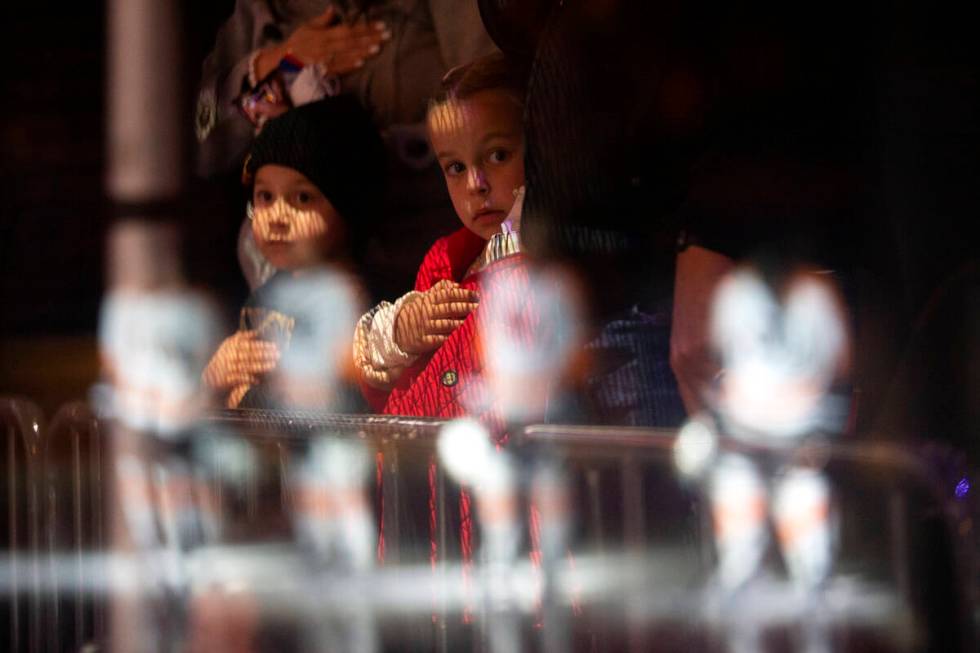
(638, 553)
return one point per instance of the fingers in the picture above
(318, 43)
(236, 378)
(241, 359)
(447, 291)
(447, 300)
(324, 19)
(454, 295)
(348, 53)
(433, 341)
(237, 394)
(254, 356)
(343, 63)
(377, 30)
(443, 327)
(452, 310)
(362, 40)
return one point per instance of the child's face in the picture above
(479, 142)
(294, 225)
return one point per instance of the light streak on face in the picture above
(294, 224)
(479, 142)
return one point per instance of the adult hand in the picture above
(341, 48)
(425, 322)
(240, 362)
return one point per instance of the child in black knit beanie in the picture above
(316, 176)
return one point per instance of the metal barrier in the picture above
(74, 525)
(906, 519)
(402, 447)
(21, 425)
(633, 571)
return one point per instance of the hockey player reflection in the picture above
(154, 337)
(335, 526)
(154, 333)
(530, 335)
(781, 357)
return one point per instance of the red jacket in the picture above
(447, 382)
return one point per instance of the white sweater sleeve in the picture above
(377, 357)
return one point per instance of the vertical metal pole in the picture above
(31, 449)
(633, 508)
(12, 504)
(97, 492)
(144, 142)
(52, 617)
(595, 508)
(442, 635)
(285, 496)
(80, 593)
(389, 492)
(252, 492)
(144, 127)
(634, 513)
(898, 525)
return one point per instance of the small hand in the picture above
(424, 323)
(240, 362)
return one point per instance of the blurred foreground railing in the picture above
(623, 559)
(21, 425)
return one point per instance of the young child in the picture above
(418, 355)
(316, 179)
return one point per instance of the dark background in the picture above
(55, 212)
(923, 198)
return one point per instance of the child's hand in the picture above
(424, 323)
(239, 363)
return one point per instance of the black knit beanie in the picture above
(335, 145)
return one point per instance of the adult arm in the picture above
(250, 44)
(223, 134)
(697, 274)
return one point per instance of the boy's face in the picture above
(294, 225)
(479, 142)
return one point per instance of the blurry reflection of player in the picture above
(316, 175)
(155, 335)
